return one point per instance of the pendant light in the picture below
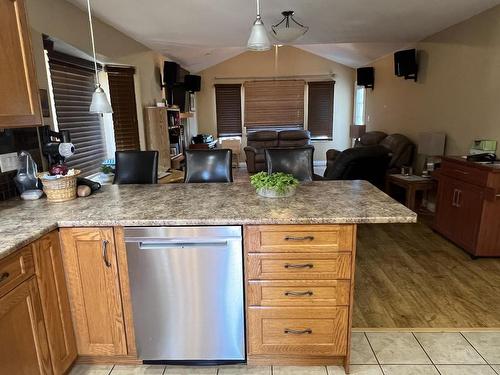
(288, 30)
(258, 41)
(100, 103)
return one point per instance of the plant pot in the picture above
(271, 193)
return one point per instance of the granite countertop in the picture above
(322, 202)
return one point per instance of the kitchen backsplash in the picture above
(15, 140)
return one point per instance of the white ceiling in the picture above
(202, 33)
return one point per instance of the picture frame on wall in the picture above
(192, 102)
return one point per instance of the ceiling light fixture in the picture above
(286, 31)
(100, 103)
(258, 41)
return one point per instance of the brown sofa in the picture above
(399, 146)
(259, 141)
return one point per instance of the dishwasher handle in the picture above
(182, 244)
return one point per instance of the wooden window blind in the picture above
(320, 109)
(73, 84)
(122, 94)
(274, 103)
(228, 109)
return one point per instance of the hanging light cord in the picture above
(93, 44)
(258, 8)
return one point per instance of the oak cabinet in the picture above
(25, 350)
(299, 285)
(54, 301)
(90, 264)
(468, 206)
(19, 97)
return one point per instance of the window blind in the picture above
(228, 109)
(320, 109)
(274, 103)
(73, 84)
(122, 94)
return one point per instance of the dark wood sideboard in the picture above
(468, 205)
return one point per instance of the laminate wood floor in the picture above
(408, 276)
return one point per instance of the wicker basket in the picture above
(60, 189)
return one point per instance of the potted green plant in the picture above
(275, 185)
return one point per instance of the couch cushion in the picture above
(294, 138)
(262, 139)
(371, 138)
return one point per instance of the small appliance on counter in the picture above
(56, 146)
(26, 179)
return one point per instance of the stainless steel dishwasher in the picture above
(187, 293)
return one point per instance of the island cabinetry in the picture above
(25, 350)
(90, 263)
(299, 283)
(55, 303)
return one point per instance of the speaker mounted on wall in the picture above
(192, 83)
(405, 64)
(366, 77)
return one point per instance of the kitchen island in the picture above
(315, 229)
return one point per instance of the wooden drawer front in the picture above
(16, 268)
(299, 293)
(299, 238)
(465, 173)
(299, 266)
(315, 331)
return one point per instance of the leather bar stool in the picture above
(208, 166)
(295, 161)
(136, 167)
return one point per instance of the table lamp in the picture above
(356, 131)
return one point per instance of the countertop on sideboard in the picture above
(322, 202)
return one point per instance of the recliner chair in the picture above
(360, 163)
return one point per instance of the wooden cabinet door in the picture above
(90, 264)
(19, 97)
(446, 210)
(55, 303)
(24, 349)
(470, 204)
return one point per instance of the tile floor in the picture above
(373, 353)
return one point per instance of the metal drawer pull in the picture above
(4, 276)
(306, 238)
(105, 253)
(298, 294)
(308, 265)
(289, 331)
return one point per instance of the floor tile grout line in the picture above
(371, 347)
(425, 351)
(477, 351)
(112, 368)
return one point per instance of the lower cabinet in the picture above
(90, 263)
(299, 284)
(24, 350)
(54, 301)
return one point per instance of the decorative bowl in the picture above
(272, 193)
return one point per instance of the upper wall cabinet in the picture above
(19, 97)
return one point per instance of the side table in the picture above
(411, 184)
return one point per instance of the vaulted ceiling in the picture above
(202, 33)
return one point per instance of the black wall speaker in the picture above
(179, 97)
(366, 77)
(192, 83)
(170, 73)
(405, 64)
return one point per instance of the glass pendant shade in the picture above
(100, 103)
(288, 34)
(259, 40)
